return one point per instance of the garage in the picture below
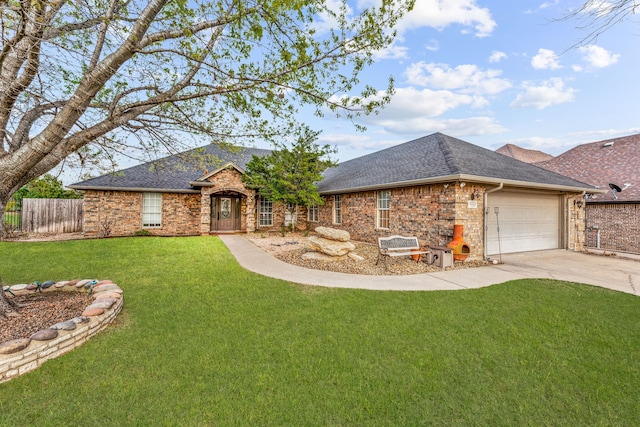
(528, 222)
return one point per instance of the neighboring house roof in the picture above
(439, 158)
(174, 173)
(523, 154)
(615, 161)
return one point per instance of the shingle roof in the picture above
(438, 157)
(524, 154)
(173, 172)
(615, 161)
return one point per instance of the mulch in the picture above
(41, 310)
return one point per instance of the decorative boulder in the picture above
(329, 247)
(333, 234)
(317, 256)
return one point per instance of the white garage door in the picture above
(528, 222)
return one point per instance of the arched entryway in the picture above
(226, 212)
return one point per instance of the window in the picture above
(337, 209)
(151, 210)
(383, 209)
(312, 213)
(266, 213)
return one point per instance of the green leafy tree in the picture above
(46, 187)
(86, 79)
(289, 174)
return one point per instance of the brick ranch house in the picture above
(422, 188)
(612, 220)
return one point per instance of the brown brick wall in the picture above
(619, 225)
(428, 212)
(123, 211)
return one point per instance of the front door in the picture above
(225, 213)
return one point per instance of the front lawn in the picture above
(203, 342)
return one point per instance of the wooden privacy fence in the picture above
(51, 215)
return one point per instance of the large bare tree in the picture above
(595, 17)
(82, 78)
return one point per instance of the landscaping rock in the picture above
(329, 247)
(318, 256)
(112, 288)
(61, 284)
(89, 312)
(45, 335)
(333, 234)
(80, 319)
(100, 304)
(48, 284)
(14, 346)
(354, 256)
(67, 325)
(31, 287)
(116, 295)
(19, 287)
(81, 283)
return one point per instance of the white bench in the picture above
(394, 246)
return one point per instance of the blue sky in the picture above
(495, 72)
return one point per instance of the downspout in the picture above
(569, 224)
(486, 217)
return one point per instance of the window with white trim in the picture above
(337, 209)
(383, 209)
(151, 210)
(312, 213)
(265, 213)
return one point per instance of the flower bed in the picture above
(22, 355)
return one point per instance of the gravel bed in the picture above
(40, 310)
(291, 247)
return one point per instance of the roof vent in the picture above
(608, 144)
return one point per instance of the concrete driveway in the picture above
(605, 271)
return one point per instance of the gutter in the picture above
(486, 217)
(135, 189)
(467, 178)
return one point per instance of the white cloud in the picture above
(440, 14)
(497, 56)
(467, 78)
(433, 45)
(550, 92)
(393, 51)
(545, 60)
(597, 56)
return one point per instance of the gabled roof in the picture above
(615, 161)
(174, 173)
(523, 154)
(439, 158)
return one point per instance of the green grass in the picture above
(203, 342)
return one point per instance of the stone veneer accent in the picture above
(107, 304)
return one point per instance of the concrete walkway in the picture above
(610, 272)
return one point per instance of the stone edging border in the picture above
(22, 355)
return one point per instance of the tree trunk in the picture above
(7, 307)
